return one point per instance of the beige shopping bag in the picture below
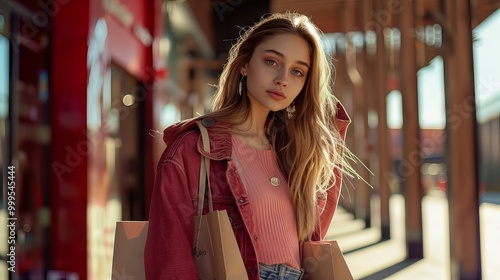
(217, 255)
(128, 252)
(324, 260)
(215, 250)
(228, 261)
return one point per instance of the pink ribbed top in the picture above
(271, 205)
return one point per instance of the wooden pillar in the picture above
(348, 101)
(411, 162)
(385, 170)
(366, 69)
(461, 126)
(362, 206)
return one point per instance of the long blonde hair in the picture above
(308, 146)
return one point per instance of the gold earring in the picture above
(290, 110)
(243, 85)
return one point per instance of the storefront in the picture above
(76, 80)
(25, 139)
(117, 65)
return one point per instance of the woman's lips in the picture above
(276, 94)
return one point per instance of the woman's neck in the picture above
(253, 130)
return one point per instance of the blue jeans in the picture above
(279, 272)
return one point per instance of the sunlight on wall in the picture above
(431, 106)
(394, 110)
(487, 72)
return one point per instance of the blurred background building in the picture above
(86, 88)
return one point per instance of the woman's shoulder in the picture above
(179, 130)
(184, 136)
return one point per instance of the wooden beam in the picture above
(411, 161)
(326, 14)
(362, 207)
(461, 156)
(385, 171)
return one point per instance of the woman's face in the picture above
(276, 72)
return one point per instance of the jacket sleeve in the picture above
(167, 253)
(327, 208)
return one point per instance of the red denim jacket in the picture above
(168, 248)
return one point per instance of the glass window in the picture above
(4, 75)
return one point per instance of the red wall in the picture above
(73, 25)
(69, 184)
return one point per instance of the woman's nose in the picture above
(281, 79)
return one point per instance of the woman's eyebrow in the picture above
(283, 56)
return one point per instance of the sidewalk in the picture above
(370, 259)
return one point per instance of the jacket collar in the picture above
(221, 144)
(343, 120)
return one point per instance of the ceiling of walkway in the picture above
(221, 20)
(334, 15)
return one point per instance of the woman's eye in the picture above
(297, 73)
(271, 62)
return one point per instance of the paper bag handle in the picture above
(204, 172)
(204, 177)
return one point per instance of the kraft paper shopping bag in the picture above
(128, 252)
(217, 255)
(324, 260)
(216, 252)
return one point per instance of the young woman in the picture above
(277, 154)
